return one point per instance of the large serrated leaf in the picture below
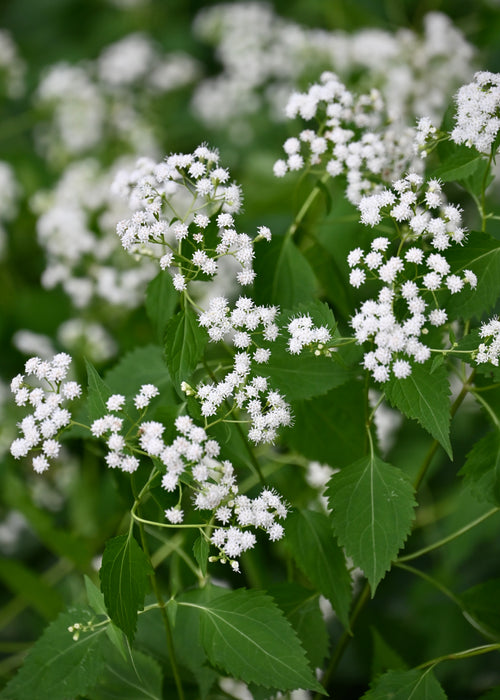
(98, 393)
(481, 470)
(161, 300)
(481, 254)
(58, 667)
(143, 365)
(339, 416)
(305, 375)
(124, 578)
(286, 278)
(315, 549)
(96, 602)
(425, 397)
(406, 685)
(302, 610)
(185, 341)
(138, 677)
(462, 163)
(372, 510)
(246, 634)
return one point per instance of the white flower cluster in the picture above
(120, 453)
(425, 133)
(260, 512)
(240, 323)
(267, 408)
(489, 351)
(193, 454)
(135, 61)
(264, 56)
(352, 139)
(76, 227)
(40, 428)
(421, 205)
(303, 333)
(478, 112)
(243, 325)
(177, 204)
(395, 321)
(92, 100)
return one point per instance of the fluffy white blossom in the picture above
(44, 389)
(173, 203)
(489, 351)
(354, 139)
(397, 321)
(477, 120)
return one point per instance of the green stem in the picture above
(449, 538)
(484, 216)
(487, 407)
(142, 521)
(164, 616)
(345, 638)
(467, 654)
(306, 206)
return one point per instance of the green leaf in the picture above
(138, 677)
(143, 365)
(315, 549)
(329, 276)
(372, 510)
(306, 375)
(462, 163)
(96, 602)
(481, 254)
(124, 577)
(185, 342)
(200, 551)
(285, 276)
(98, 393)
(338, 415)
(481, 607)
(403, 685)
(246, 634)
(481, 470)
(58, 667)
(384, 657)
(30, 587)
(302, 610)
(161, 300)
(425, 397)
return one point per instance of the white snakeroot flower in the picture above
(353, 139)
(49, 416)
(303, 333)
(395, 330)
(357, 277)
(489, 351)
(171, 210)
(477, 120)
(115, 402)
(143, 398)
(174, 515)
